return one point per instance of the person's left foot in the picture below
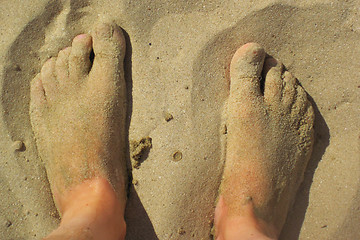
(77, 112)
(269, 143)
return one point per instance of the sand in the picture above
(177, 64)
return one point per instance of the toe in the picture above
(273, 70)
(289, 92)
(245, 71)
(308, 121)
(79, 59)
(62, 65)
(109, 48)
(305, 127)
(301, 102)
(48, 79)
(37, 94)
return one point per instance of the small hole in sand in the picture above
(8, 223)
(177, 156)
(168, 116)
(181, 231)
(18, 146)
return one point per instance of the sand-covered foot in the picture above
(77, 111)
(270, 139)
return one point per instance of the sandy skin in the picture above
(77, 111)
(270, 139)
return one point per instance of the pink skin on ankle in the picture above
(246, 226)
(93, 204)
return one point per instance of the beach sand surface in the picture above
(177, 63)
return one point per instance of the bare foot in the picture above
(77, 112)
(270, 139)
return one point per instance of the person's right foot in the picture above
(77, 111)
(270, 139)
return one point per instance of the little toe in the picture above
(308, 122)
(48, 79)
(301, 102)
(79, 58)
(289, 92)
(37, 94)
(273, 71)
(109, 49)
(245, 72)
(62, 65)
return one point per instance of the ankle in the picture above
(242, 226)
(94, 205)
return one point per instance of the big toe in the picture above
(79, 59)
(245, 71)
(109, 47)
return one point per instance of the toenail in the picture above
(81, 36)
(105, 31)
(247, 45)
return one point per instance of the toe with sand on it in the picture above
(245, 71)
(109, 46)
